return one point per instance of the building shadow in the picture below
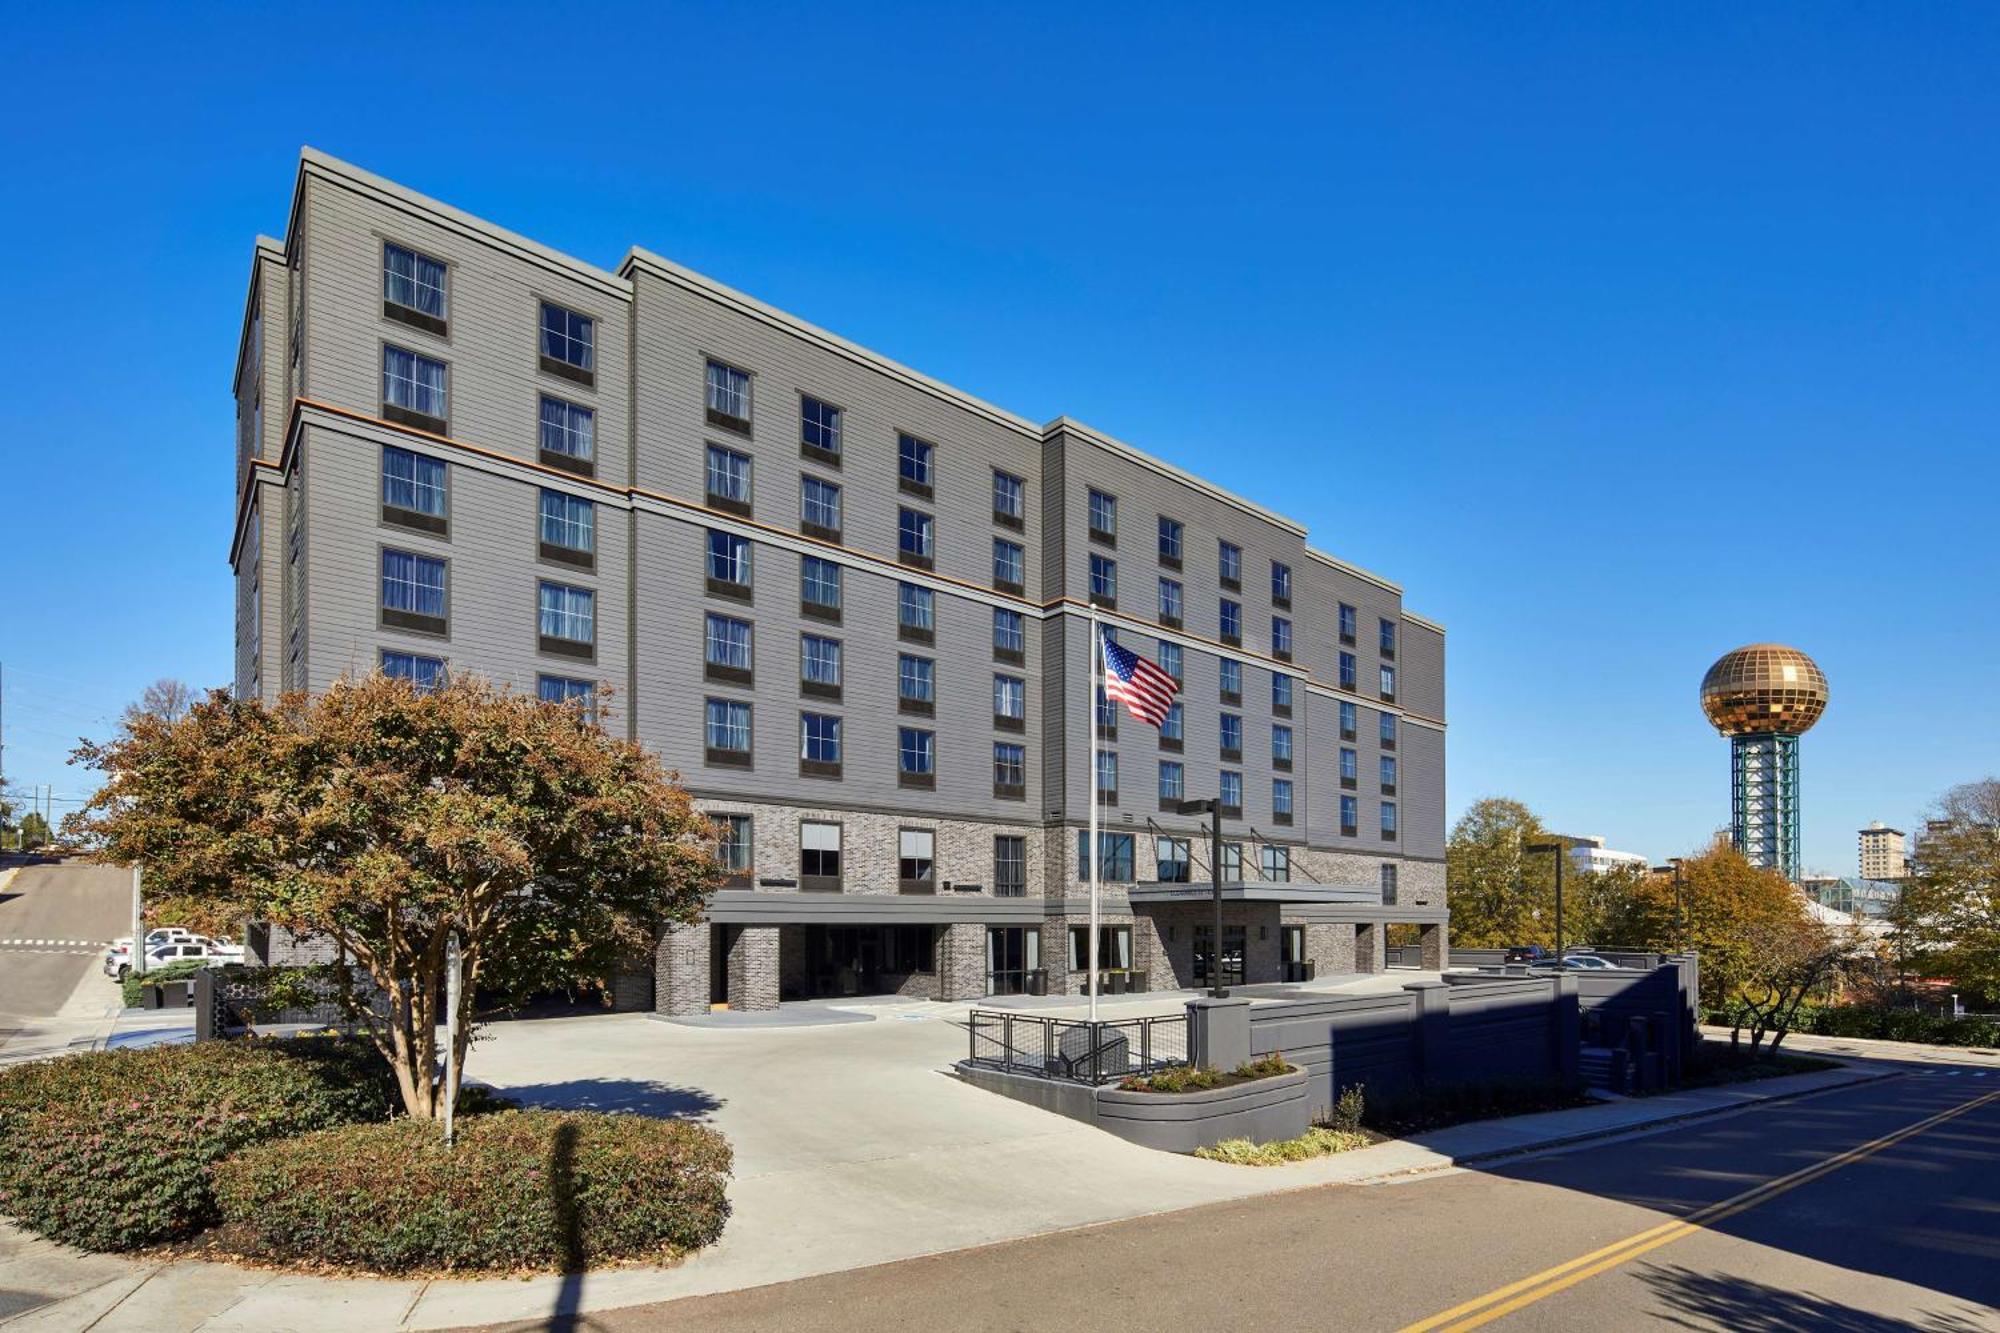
(667, 1101)
(1743, 1305)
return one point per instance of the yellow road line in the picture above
(1502, 1301)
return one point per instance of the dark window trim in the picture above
(1010, 791)
(1282, 654)
(570, 648)
(1171, 622)
(912, 560)
(1277, 818)
(437, 525)
(819, 689)
(1010, 587)
(1107, 601)
(1233, 640)
(563, 370)
(582, 467)
(1350, 830)
(915, 633)
(917, 782)
(1281, 710)
(1233, 697)
(735, 592)
(727, 675)
(567, 556)
(740, 425)
(1388, 788)
(1173, 745)
(1388, 835)
(1231, 585)
(1282, 603)
(1170, 561)
(1230, 756)
(1014, 521)
(823, 533)
(1350, 784)
(821, 768)
(1388, 698)
(1282, 765)
(1001, 722)
(741, 508)
(415, 622)
(916, 707)
(715, 758)
(819, 611)
(416, 319)
(1389, 742)
(1108, 797)
(1010, 656)
(421, 421)
(1232, 812)
(1103, 538)
(923, 490)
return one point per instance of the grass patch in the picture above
(1319, 1141)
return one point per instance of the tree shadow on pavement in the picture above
(640, 1096)
(1716, 1300)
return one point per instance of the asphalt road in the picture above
(1872, 1209)
(54, 923)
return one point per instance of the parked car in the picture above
(1587, 962)
(1527, 953)
(195, 949)
(119, 953)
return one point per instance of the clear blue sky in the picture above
(1620, 335)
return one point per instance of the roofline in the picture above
(313, 162)
(264, 248)
(1423, 622)
(1110, 444)
(1366, 576)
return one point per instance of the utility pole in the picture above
(138, 925)
(1561, 850)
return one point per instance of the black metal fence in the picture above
(1077, 1050)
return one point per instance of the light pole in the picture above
(1213, 809)
(1561, 849)
(1680, 901)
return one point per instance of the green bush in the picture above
(113, 1150)
(1889, 1024)
(1318, 1141)
(1174, 1078)
(520, 1189)
(133, 986)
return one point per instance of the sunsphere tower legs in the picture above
(1764, 697)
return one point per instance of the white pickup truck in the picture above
(169, 944)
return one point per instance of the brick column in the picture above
(753, 968)
(1434, 942)
(680, 970)
(961, 961)
(1369, 940)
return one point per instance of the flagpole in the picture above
(1096, 668)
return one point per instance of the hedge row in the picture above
(520, 1189)
(1880, 1021)
(113, 1150)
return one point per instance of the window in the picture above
(1103, 580)
(1347, 671)
(1281, 745)
(1114, 856)
(913, 463)
(568, 343)
(1386, 637)
(1350, 816)
(1232, 680)
(819, 507)
(1010, 565)
(1010, 768)
(819, 584)
(727, 647)
(1173, 783)
(1230, 788)
(728, 396)
(819, 429)
(413, 591)
(916, 863)
(819, 662)
(1010, 633)
(1388, 683)
(1170, 727)
(728, 561)
(413, 389)
(1388, 884)
(728, 729)
(1281, 584)
(1010, 866)
(1106, 721)
(1232, 736)
(728, 479)
(1114, 948)
(819, 856)
(569, 435)
(1281, 800)
(1170, 542)
(1347, 623)
(1009, 499)
(565, 689)
(1388, 819)
(1347, 723)
(1107, 776)
(1388, 775)
(568, 527)
(733, 847)
(1229, 560)
(819, 744)
(914, 609)
(916, 752)
(1281, 694)
(413, 489)
(1387, 727)
(1281, 638)
(913, 537)
(1171, 860)
(424, 673)
(1229, 619)
(916, 680)
(1350, 767)
(413, 283)
(1010, 698)
(1170, 601)
(568, 615)
(1103, 516)
(1232, 863)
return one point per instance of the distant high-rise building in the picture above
(1764, 697)
(1588, 853)
(1883, 855)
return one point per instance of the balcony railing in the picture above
(1076, 1050)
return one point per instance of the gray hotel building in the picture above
(847, 603)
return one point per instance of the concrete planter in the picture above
(170, 995)
(1262, 1110)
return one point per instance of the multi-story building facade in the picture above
(847, 603)
(1881, 853)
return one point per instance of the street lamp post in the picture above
(1213, 809)
(1680, 901)
(1561, 849)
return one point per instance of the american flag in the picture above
(1144, 689)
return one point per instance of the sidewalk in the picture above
(940, 1166)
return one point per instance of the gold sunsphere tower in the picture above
(1764, 697)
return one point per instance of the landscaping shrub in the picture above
(1714, 1062)
(520, 1189)
(1889, 1024)
(1318, 1141)
(113, 1150)
(1458, 1103)
(1188, 1078)
(133, 986)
